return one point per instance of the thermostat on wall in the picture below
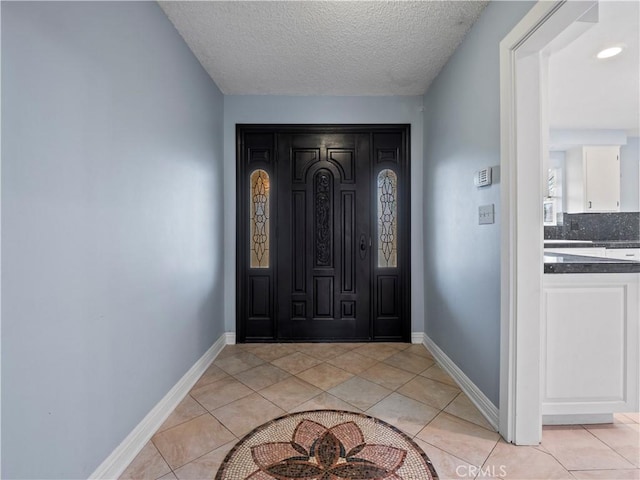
(482, 178)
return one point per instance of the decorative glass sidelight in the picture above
(387, 219)
(259, 219)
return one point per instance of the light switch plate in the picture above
(486, 214)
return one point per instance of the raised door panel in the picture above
(590, 344)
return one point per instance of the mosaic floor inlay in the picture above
(326, 445)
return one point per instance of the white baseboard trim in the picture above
(116, 463)
(479, 399)
(417, 337)
(231, 338)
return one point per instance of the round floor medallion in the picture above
(326, 445)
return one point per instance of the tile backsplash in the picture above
(596, 226)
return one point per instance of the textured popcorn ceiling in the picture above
(323, 47)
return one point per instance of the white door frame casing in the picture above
(523, 135)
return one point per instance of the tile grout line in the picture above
(447, 452)
(468, 421)
(577, 470)
(546, 452)
(283, 409)
(226, 404)
(236, 440)
(605, 470)
(158, 432)
(489, 455)
(609, 446)
(556, 458)
(161, 456)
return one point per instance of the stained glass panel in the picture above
(387, 219)
(259, 219)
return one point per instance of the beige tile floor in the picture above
(250, 384)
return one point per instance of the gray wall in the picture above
(111, 227)
(289, 109)
(462, 258)
(630, 175)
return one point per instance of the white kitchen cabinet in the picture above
(590, 344)
(593, 179)
(624, 253)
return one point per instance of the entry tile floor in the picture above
(247, 385)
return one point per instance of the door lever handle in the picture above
(363, 247)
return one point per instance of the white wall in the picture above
(462, 258)
(111, 226)
(300, 110)
(557, 160)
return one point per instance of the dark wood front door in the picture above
(324, 263)
(323, 233)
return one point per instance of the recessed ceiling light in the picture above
(609, 52)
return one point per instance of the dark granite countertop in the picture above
(567, 244)
(565, 263)
(618, 244)
(596, 243)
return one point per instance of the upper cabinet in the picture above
(593, 179)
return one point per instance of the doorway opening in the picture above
(524, 135)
